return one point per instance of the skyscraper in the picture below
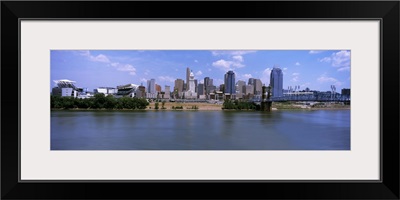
(195, 85)
(200, 89)
(187, 79)
(239, 88)
(257, 86)
(208, 85)
(167, 92)
(151, 86)
(276, 82)
(230, 86)
(251, 81)
(179, 85)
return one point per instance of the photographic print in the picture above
(101, 125)
(200, 99)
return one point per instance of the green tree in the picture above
(110, 102)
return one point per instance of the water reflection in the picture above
(200, 130)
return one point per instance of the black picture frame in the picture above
(386, 11)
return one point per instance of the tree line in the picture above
(99, 101)
(238, 105)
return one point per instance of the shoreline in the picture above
(191, 106)
(185, 109)
(170, 106)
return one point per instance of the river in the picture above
(201, 130)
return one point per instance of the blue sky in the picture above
(317, 70)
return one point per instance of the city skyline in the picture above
(317, 70)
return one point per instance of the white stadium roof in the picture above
(65, 83)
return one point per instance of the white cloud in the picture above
(344, 69)
(124, 67)
(339, 59)
(98, 58)
(326, 59)
(314, 52)
(143, 80)
(146, 72)
(325, 79)
(196, 61)
(284, 69)
(295, 74)
(238, 58)
(209, 69)
(127, 68)
(199, 73)
(226, 65)
(297, 64)
(222, 64)
(166, 78)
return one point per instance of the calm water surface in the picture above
(200, 130)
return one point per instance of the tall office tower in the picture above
(187, 79)
(276, 82)
(257, 86)
(200, 89)
(251, 81)
(195, 85)
(230, 86)
(151, 86)
(167, 92)
(179, 85)
(248, 89)
(239, 87)
(207, 83)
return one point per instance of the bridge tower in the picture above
(266, 104)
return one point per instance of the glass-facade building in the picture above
(276, 82)
(151, 86)
(230, 85)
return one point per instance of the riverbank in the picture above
(185, 106)
(218, 107)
